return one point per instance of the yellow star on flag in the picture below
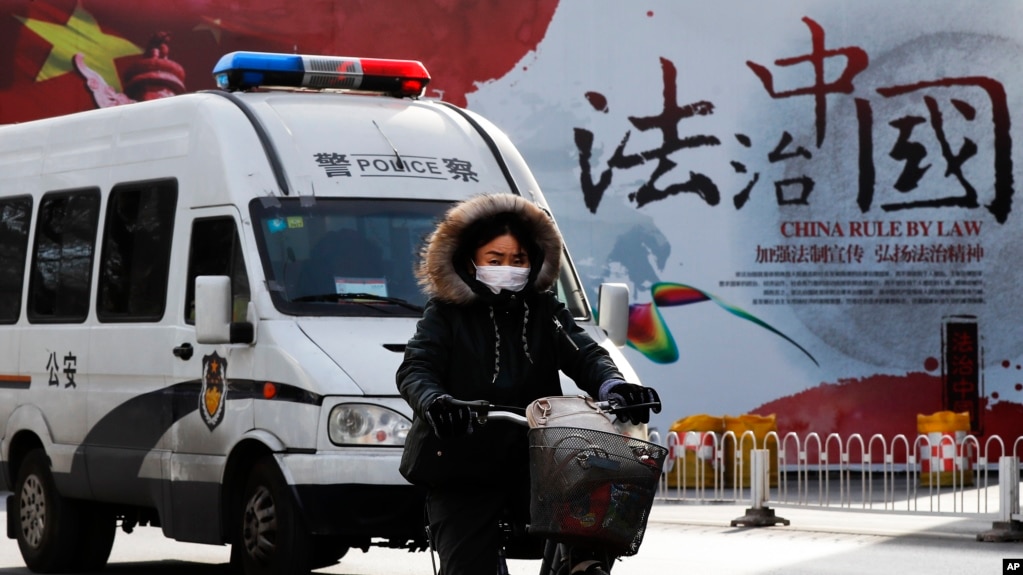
(80, 34)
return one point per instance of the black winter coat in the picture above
(454, 352)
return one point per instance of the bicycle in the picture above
(589, 488)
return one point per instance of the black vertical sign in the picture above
(962, 368)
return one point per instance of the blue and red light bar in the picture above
(248, 70)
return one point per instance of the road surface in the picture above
(681, 539)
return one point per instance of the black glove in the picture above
(630, 394)
(448, 420)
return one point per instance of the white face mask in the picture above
(496, 278)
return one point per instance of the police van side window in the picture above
(216, 251)
(61, 273)
(15, 214)
(135, 256)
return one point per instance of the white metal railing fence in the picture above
(948, 473)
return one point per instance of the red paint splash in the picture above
(597, 100)
(881, 404)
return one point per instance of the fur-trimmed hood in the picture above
(443, 278)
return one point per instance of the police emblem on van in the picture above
(213, 394)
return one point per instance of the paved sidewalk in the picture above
(828, 520)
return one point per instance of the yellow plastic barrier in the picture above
(759, 426)
(943, 456)
(694, 454)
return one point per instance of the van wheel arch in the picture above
(22, 444)
(241, 461)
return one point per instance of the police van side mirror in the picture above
(213, 311)
(613, 312)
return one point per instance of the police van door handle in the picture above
(184, 351)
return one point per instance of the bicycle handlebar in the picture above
(482, 410)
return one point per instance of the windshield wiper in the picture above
(379, 298)
(364, 298)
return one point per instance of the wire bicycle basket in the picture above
(591, 487)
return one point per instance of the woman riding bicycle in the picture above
(492, 330)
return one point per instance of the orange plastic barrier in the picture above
(694, 454)
(943, 456)
(759, 426)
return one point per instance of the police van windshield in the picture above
(353, 257)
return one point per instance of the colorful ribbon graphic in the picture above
(649, 335)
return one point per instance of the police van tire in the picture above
(97, 527)
(271, 537)
(326, 551)
(47, 522)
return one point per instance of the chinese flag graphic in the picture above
(63, 56)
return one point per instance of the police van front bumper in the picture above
(356, 492)
(364, 512)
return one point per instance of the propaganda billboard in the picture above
(813, 202)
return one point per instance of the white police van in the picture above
(204, 300)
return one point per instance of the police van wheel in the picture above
(97, 527)
(47, 522)
(326, 551)
(271, 537)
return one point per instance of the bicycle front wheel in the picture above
(554, 559)
(557, 560)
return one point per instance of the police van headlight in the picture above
(365, 424)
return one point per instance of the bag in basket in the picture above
(568, 411)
